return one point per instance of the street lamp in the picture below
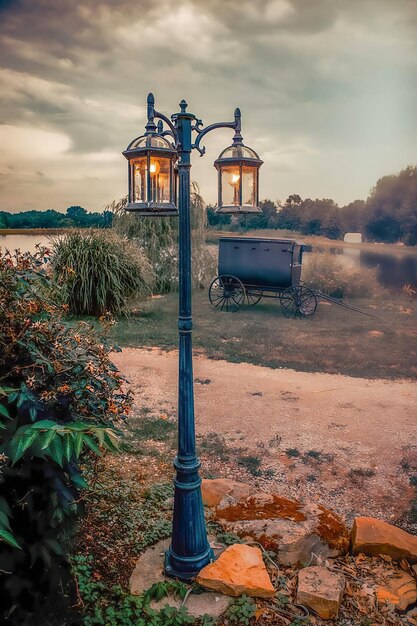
(155, 163)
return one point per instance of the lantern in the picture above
(238, 168)
(151, 175)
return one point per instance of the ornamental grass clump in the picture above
(99, 272)
(325, 272)
(60, 400)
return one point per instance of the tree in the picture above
(392, 208)
(77, 214)
(217, 220)
(353, 217)
(289, 216)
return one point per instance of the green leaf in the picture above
(112, 443)
(7, 536)
(47, 437)
(92, 445)
(99, 433)
(4, 411)
(68, 445)
(79, 442)
(25, 442)
(4, 520)
(56, 451)
(33, 411)
(42, 424)
(78, 481)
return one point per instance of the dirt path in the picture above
(350, 442)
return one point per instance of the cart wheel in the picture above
(298, 301)
(227, 293)
(253, 297)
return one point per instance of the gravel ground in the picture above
(350, 443)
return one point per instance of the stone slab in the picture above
(321, 590)
(149, 570)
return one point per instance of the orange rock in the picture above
(292, 529)
(213, 491)
(321, 590)
(375, 537)
(400, 590)
(238, 570)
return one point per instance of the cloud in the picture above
(322, 86)
(31, 144)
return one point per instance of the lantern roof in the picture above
(151, 140)
(238, 151)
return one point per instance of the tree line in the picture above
(388, 215)
(75, 216)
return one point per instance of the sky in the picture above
(327, 90)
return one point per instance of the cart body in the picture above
(261, 263)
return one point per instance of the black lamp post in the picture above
(152, 192)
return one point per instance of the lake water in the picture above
(26, 243)
(394, 269)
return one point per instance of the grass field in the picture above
(334, 340)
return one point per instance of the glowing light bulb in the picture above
(235, 178)
(152, 168)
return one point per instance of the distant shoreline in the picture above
(318, 241)
(33, 231)
(313, 240)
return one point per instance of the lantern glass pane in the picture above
(139, 179)
(160, 177)
(230, 185)
(248, 185)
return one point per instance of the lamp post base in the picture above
(186, 568)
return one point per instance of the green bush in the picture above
(60, 397)
(325, 272)
(99, 271)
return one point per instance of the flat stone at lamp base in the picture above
(149, 570)
(183, 570)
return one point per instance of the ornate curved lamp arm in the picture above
(200, 133)
(172, 130)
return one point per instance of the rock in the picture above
(198, 604)
(238, 570)
(213, 491)
(149, 570)
(375, 537)
(320, 590)
(400, 590)
(291, 529)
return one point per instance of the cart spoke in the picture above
(298, 301)
(226, 293)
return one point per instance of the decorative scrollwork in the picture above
(172, 132)
(208, 129)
